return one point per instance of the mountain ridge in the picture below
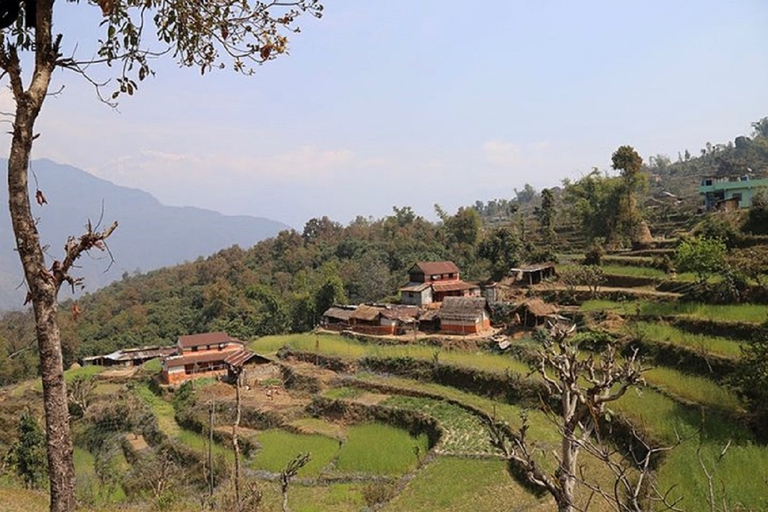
(150, 235)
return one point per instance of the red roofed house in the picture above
(432, 281)
(200, 355)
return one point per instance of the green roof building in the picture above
(730, 192)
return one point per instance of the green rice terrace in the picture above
(402, 424)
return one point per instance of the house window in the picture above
(194, 349)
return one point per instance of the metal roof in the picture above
(193, 358)
(208, 338)
(415, 287)
(462, 308)
(239, 358)
(435, 267)
(366, 313)
(338, 313)
(452, 286)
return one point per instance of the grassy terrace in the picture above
(742, 470)
(623, 270)
(164, 413)
(465, 485)
(338, 346)
(661, 332)
(663, 417)
(747, 313)
(694, 389)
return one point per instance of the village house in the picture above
(336, 318)
(383, 319)
(200, 355)
(464, 315)
(730, 192)
(432, 281)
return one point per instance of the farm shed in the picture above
(464, 315)
(128, 356)
(337, 317)
(535, 312)
(533, 274)
(252, 367)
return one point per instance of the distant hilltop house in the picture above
(209, 354)
(433, 281)
(730, 192)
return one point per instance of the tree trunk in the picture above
(567, 474)
(42, 290)
(235, 441)
(42, 286)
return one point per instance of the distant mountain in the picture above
(150, 235)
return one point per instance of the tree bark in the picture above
(42, 285)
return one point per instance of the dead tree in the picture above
(583, 385)
(289, 472)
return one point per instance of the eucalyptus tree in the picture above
(239, 35)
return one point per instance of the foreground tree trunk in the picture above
(41, 283)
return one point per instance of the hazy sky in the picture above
(412, 103)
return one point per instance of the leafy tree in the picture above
(526, 195)
(546, 213)
(629, 162)
(702, 256)
(28, 454)
(502, 249)
(330, 292)
(202, 35)
(752, 379)
(761, 128)
(593, 202)
(757, 222)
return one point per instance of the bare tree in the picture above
(80, 393)
(584, 386)
(207, 35)
(289, 472)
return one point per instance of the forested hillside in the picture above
(280, 284)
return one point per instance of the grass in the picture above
(335, 345)
(70, 375)
(461, 426)
(279, 447)
(747, 313)
(694, 389)
(166, 421)
(338, 497)
(742, 471)
(624, 270)
(465, 485)
(379, 449)
(321, 427)
(153, 366)
(662, 332)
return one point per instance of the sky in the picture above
(386, 103)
